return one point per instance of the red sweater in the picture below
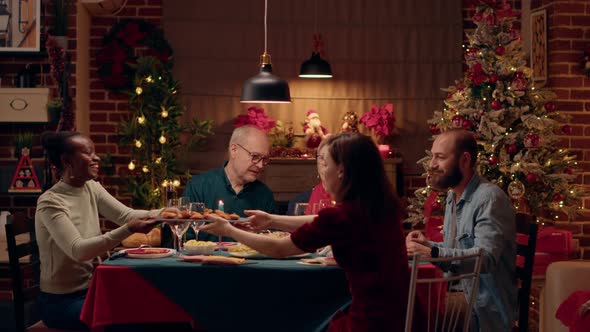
(373, 257)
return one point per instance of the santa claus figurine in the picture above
(313, 129)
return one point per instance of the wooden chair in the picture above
(23, 290)
(526, 227)
(448, 317)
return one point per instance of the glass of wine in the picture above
(196, 223)
(300, 209)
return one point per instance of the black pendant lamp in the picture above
(265, 87)
(316, 67)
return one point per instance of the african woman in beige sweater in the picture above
(68, 230)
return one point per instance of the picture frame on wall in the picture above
(539, 46)
(20, 26)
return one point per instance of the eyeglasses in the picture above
(256, 158)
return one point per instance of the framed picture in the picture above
(539, 45)
(20, 29)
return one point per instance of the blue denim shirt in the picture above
(485, 220)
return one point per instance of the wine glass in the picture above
(172, 202)
(324, 203)
(195, 224)
(300, 209)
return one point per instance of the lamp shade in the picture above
(265, 88)
(315, 67)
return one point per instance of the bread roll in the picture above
(168, 215)
(135, 240)
(155, 237)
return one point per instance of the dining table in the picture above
(265, 295)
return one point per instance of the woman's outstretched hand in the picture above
(218, 225)
(257, 220)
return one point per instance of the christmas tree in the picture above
(153, 132)
(516, 125)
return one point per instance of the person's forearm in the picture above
(289, 223)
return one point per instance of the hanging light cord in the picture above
(315, 16)
(265, 14)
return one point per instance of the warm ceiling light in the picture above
(265, 87)
(316, 67)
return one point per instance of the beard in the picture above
(443, 181)
(315, 123)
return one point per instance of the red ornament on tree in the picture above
(567, 129)
(434, 129)
(557, 197)
(550, 107)
(568, 171)
(493, 78)
(500, 50)
(493, 160)
(458, 121)
(532, 140)
(531, 178)
(496, 105)
(466, 124)
(512, 149)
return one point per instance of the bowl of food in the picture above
(194, 247)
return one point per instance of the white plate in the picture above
(258, 255)
(131, 254)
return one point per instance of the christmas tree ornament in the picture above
(434, 129)
(131, 165)
(512, 149)
(550, 107)
(493, 160)
(466, 124)
(518, 84)
(496, 105)
(516, 189)
(532, 140)
(500, 50)
(557, 197)
(568, 171)
(567, 129)
(457, 121)
(493, 78)
(531, 178)
(350, 122)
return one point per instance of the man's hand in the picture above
(414, 247)
(415, 236)
(141, 225)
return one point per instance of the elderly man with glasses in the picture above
(236, 182)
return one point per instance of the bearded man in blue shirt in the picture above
(478, 216)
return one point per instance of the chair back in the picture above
(526, 229)
(444, 315)
(23, 260)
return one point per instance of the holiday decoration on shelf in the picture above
(313, 129)
(153, 132)
(128, 40)
(350, 122)
(25, 178)
(60, 72)
(381, 121)
(515, 124)
(282, 135)
(255, 116)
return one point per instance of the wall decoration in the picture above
(20, 26)
(539, 46)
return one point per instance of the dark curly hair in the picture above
(58, 144)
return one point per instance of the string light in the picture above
(165, 183)
(141, 119)
(158, 160)
(162, 139)
(138, 144)
(131, 165)
(149, 79)
(138, 90)
(164, 112)
(145, 169)
(176, 183)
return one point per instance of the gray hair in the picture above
(239, 134)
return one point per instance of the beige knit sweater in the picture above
(69, 236)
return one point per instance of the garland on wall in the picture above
(128, 40)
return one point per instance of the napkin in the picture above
(216, 260)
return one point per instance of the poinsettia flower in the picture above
(380, 119)
(255, 116)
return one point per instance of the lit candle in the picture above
(220, 206)
(383, 150)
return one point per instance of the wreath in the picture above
(128, 40)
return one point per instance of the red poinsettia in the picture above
(131, 34)
(255, 116)
(380, 119)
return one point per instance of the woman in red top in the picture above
(364, 230)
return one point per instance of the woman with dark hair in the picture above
(363, 228)
(68, 230)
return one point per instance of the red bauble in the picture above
(567, 129)
(496, 105)
(568, 171)
(458, 121)
(557, 197)
(500, 50)
(532, 140)
(435, 206)
(466, 124)
(512, 149)
(493, 160)
(519, 74)
(493, 78)
(434, 129)
(550, 107)
(531, 178)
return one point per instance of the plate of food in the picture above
(225, 245)
(243, 251)
(186, 216)
(149, 252)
